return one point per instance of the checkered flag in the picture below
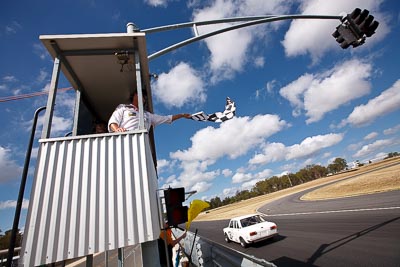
(228, 113)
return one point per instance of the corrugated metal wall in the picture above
(90, 195)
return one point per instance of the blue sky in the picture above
(300, 98)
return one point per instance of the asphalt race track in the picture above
(353, 231)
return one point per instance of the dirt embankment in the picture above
(372, 178)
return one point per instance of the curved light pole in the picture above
(22, 189)
(353, 29)
(250, 21)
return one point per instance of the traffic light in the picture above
(355, 28)
(176, 213)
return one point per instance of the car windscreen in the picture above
(251, 220)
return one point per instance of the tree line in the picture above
(275, 183)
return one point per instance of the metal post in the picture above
(131, 27)
(139, 91)
(89, 260)
(195, 31)
(51, 100)
(22, 189)
(120, 257)
(191, 251)
(78, 103)
(106, 258)
(290, 181)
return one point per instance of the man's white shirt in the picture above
(127, 116)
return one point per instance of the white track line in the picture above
(329, 211)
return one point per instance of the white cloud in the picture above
(273, 152)
(392, 130)
(241, 177)
(40, 50)
(59, 126)
(314, 37)
(10, 78)
(9, 168)
(320, 93)
(263, 174)
(309, 162)
(162, 164)
(42, 76)
(283, 173)
(194, 176)
(370, 136)
(354, 147)
(370, 148)
(210, 144)
(170, 179)
(290, 167)
(250, 184)
(313, 144)
(12, 204)
(201, 187)
(271, 86)
(157, 3)
(65, 102)
(230, 191)
(259, 62)
(388, 101)
(380, 156)
(248, 180)
(13, 28)
(226, 172)
(294, 92)
(232, 139)
(182, 85)
(62, 121)
(229, 51)
(326, 155)
(267, 91)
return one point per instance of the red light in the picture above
(179, 215)
(174, 196)
(176, 213)
(253, 233)
(273, 227)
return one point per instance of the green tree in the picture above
(215, 203)
(337, 165)
(319, 171)
(5, 240)
(263, 187)
(392, 155)
(342, 164)
(311, 172)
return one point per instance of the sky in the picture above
(300, 98)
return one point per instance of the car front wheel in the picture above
(243, 243)
(227, 240)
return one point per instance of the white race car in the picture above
(249, 229)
